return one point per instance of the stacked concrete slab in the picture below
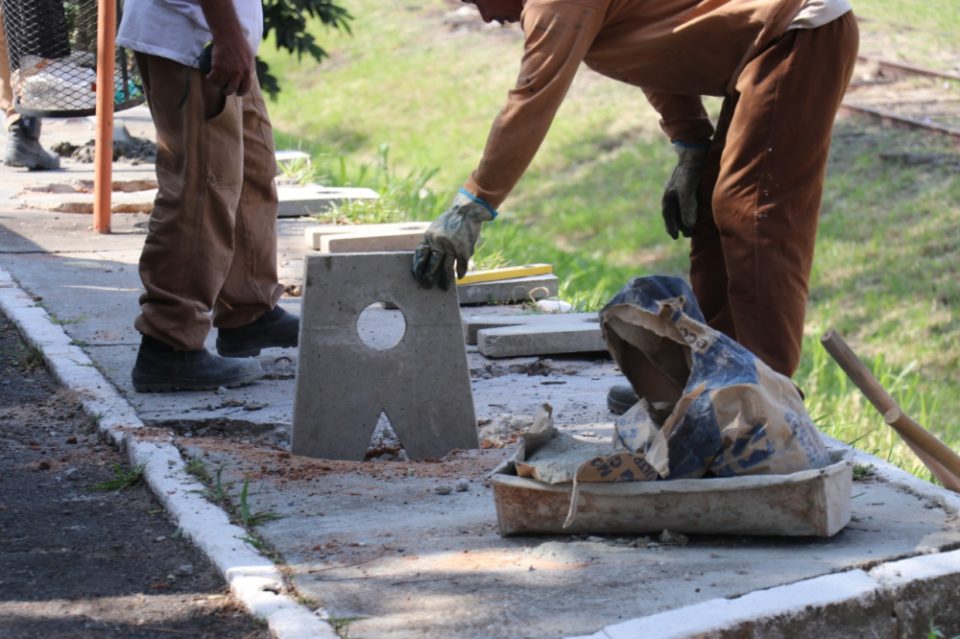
(405, 236)
(365, 238)
(534, 334)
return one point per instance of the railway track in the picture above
(905, 94)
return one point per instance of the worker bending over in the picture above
(745, 191)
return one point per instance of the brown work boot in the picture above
(160, 368)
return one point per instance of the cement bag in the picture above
(712, 408)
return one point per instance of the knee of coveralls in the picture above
(708, 273)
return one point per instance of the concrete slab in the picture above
(474, 322)
(535, 334)
(297, 201)
(345, 382)
(517, 341)
(371, 242)
(315, 234)
(291, 159)
(513, 291)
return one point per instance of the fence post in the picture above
(103, 149)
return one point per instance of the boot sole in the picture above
(21, 163)
(618, 407)
(147, 384)
(251, 350)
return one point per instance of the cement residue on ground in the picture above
(261, 462)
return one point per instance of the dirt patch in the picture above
(86, 186)
(260, 462)
(136, 150)
(80, 562)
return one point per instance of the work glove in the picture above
(679, 202)
(451, 238)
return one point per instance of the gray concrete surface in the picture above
(381, 553)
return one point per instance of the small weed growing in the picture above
(341, 625)
(248, 518)
(196, 468)
(30, 357)
(862, 471)
(936, 633)
(122, 479)
(217, 491)
(63, 322)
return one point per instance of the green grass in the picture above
(29, 357)
(921, 32)
(404, 105)
(122, 478)
(248, 518)
(218, 491)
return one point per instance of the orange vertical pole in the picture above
(103, 149)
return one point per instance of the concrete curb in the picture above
(879, 602)
(255, 580)
(882, 602)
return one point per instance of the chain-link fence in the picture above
(52, 47)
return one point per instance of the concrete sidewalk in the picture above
(378, 551)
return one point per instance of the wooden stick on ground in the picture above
(935, 455)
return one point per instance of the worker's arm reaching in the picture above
(557, 35)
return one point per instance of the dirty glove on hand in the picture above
(451, 237)
(679, 202)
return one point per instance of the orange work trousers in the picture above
(752, 248)
(210, 256)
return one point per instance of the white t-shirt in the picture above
(816, 13)
(177, 30)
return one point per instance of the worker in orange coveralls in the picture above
(746, 191)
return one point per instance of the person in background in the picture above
(210, 256)
(746, 190)
(22, 146)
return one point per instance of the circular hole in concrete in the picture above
(381, 328)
